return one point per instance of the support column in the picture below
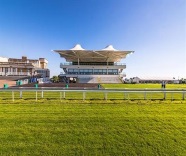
(1, 70)
(10, 71)
(16, 71)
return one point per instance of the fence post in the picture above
(164, 94)
(124, 94)
(144, 94)
(172, 96)
(183, 95)
(13, 96)
(83, 95)
(60, 95)
(36, 95)
(63, 95)
(42, 94)
(105, 97)
(21, 94)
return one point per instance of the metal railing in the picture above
(14, 63)
(70, 63)
(86, 94)
(15, 73)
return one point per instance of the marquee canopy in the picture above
(78, 54)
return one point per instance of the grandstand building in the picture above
(24, 67)
(93, 66)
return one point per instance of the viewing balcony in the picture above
(20, 64)
(91, 64)
(92, 74)
(15, 74)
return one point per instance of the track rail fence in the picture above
(95, 94)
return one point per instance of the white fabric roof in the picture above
(108, 54)
(109, 48)
(77, 47)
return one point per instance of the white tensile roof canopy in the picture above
(108, 54)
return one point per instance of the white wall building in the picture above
(23, 67)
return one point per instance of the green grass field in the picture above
(71, 126)
(148, 85)
(114, 128)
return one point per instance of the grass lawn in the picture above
(71, 127)
(148, 85)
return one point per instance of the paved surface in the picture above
(9, 82)
(59, 86)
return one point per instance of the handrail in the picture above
(74, 89)
(15, 73)
(70, 63)
(104, 91)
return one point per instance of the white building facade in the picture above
(97, 65)
(23, 67)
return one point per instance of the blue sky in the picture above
(154, 29)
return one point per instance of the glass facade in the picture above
(112, 72)
(93, 63)
(73, 71)
(100, 71)
(93, 71)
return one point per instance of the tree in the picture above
(55, 79)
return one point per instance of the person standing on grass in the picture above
(162, 84)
